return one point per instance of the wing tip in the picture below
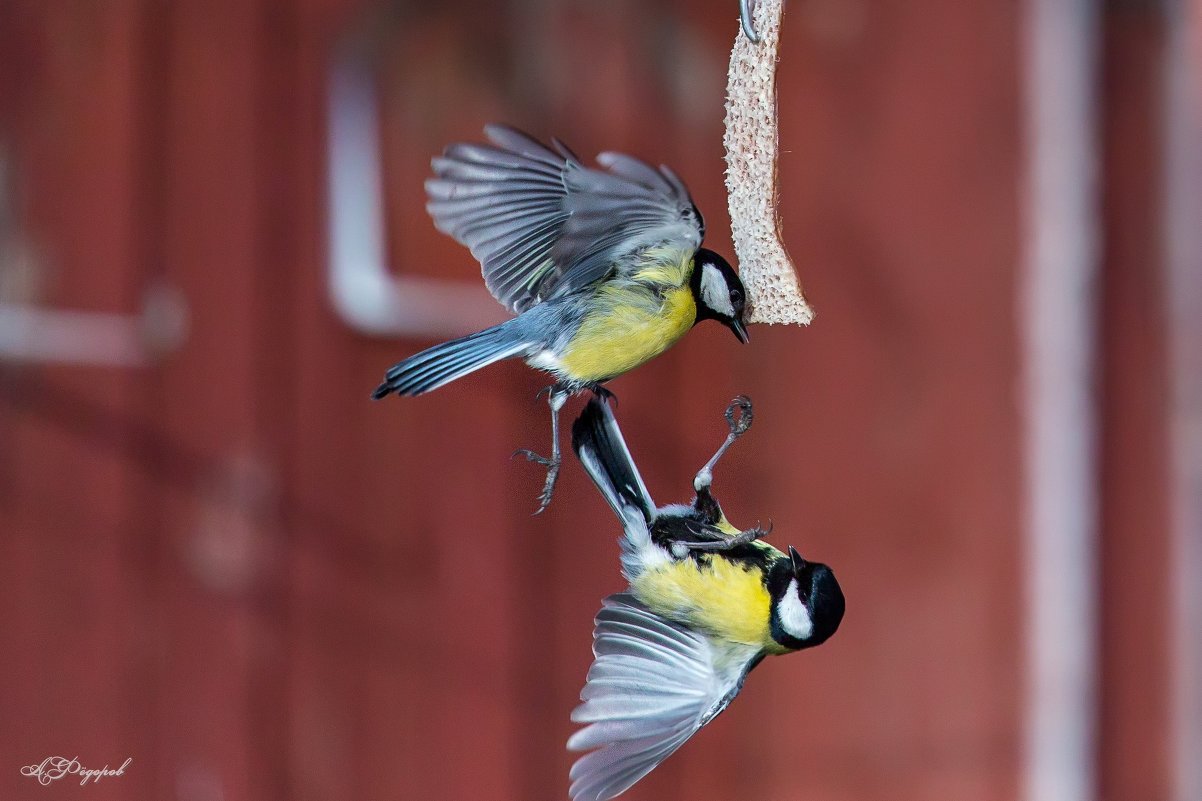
(633, 724)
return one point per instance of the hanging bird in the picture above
(706, 602)
(604, 268)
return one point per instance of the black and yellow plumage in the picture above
(706, 603)
(603, 267)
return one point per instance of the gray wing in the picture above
(541, 223)
(652, 685)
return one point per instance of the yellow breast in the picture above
(621, 335)
(723, 598)
(634, 320)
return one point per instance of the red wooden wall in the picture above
(232, 567)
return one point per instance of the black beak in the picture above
(740, 330)
(798, 562)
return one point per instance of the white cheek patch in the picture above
(714, 292)
(794, 618)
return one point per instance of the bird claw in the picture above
(531, 456)
(739, 416)
(552, 464)
(603, 393)
(738, 419)
(728, 544)
(544, 497)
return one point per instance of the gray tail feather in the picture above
(444, 363)
(600, 447)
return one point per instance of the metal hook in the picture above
(745, 19)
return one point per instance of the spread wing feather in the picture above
(542, 224)
(652, 685)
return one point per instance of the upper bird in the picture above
(706, 603)
(604, 268)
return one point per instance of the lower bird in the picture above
(706, 603)
(604, 268)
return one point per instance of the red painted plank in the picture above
(1136, 710)
(69, 592)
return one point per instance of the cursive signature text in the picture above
(54, 768)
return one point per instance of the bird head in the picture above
(719, 292)
(807, 604)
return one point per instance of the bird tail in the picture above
(600, 447)
(444, 363)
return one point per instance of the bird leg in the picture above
(557, 395)
(712, 543)
(602, 393)
(727, 544)
(738, 418)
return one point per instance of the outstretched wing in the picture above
(542, 224)
(652, 685)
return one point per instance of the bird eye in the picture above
(736, 296)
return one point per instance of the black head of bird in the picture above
(807, 604)
(719, 292)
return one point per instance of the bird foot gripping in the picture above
(552, 463)
(739, 417)
(603, 393)
(727, 543)
(557, 395)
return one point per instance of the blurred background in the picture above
(220, 559)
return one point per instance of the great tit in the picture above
(705, 604)
(604, 268)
